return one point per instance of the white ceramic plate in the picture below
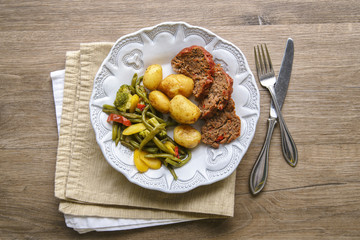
(158, 45)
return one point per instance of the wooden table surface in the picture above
(319, 199)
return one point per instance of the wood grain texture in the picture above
(318, 199)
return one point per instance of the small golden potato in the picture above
(152, 76)
(186, 85)
(175, 84)
(183, 110)
(159, 101)
(170, 86)
(187, 136)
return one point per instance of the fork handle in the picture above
(287, 142)
(260, 169)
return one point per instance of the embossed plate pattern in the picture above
(159, 44)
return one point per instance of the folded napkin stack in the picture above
(93, 195)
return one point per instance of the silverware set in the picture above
(277, 88)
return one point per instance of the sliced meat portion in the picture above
(223, 127)
(219, 94)
(198, 64)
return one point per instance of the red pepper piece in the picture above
(176, 150)
(221, 137)
(126, 121)
(113, 117)
(140, 106)
(118, 118)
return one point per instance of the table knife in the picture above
(259, 172)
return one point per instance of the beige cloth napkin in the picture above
(89, 186)
(84, 224)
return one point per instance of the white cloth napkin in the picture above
(58, 80)
(83, 224)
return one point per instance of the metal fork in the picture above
(267, 79)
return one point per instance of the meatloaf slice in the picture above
(198, 64)
(223, 127)
(219, 93)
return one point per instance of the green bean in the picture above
(142, 94)
(138, 81)
(114, 131)
(165, 163)
(170, 140)
(133, 138)
(122, 136)
(152, 109)
(171, 162)
(171, 159)
(135, 120)
(117, 141)
(151, 149)
(184, 161)
(172, 171)
(135, 144)
(132, 90)
(163, 155)
(152, 134)
(133, 80)
(153, 122)
(124, 114)
(160, 145)
(151, 144)
(143, 118)
(181, 151)
(150, 114)
(130, 115)
(110, 107)
(128, 145)
(119, 133)
(137, 137)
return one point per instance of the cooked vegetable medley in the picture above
(140, 126)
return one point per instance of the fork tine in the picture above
(264, 59)
(260, 61)
(256, 62)
(269, 59)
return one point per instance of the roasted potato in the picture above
(152, 76)
(183, 110)
(159, 101)
(175, 84)
(186, 85)
(187, 136)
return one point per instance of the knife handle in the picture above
(260, 169)
(287, 143)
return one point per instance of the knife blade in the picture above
(283, 79)
(259, 172)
